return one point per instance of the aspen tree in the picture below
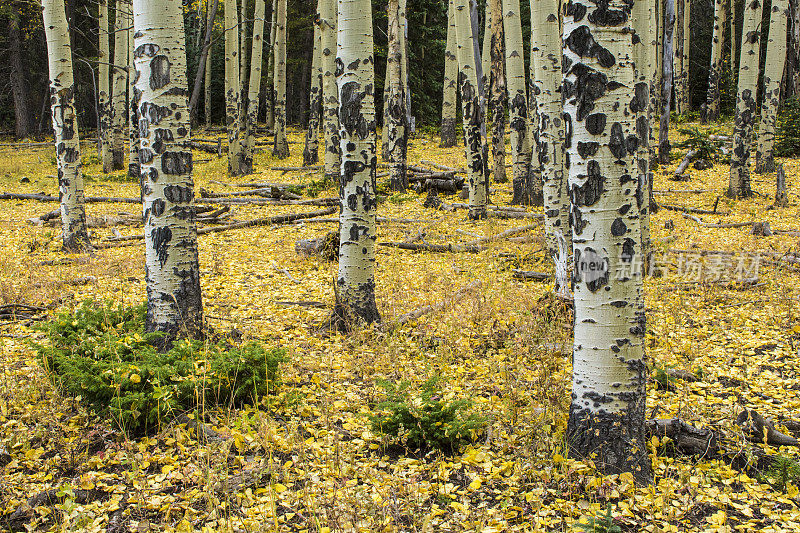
(281, 148)
(133, 119)
(119, 114)
(711, 113)
(311, 150)
(65, 126)
(471, 111)
(685, 64)
(773, 71)
(232, 88)
(739, 186)
(497, 82)
(606, 421)
(403, 81)
(678, 65)
(253, 88)
(486, 52)
(207, 84)
(516, 81)
(449, 92)
(355, 284)
(103, 87)
(397, 127)
(330, 92)
(666, 82)
(174, 302)
(271, 69)
(641, 14)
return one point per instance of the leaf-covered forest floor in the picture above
(309, 461)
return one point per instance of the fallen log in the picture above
(296, 169)
(413, 315)
(530, 275)
(684, 164)
(695, 210)
(687, 438)
(425, 247)
(710, 225)
(41, 197)
(332, 201)
(326, 247)
(259, 185)
(761, 430)
(264, 192)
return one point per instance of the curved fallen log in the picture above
(762, 430)
(687, 438)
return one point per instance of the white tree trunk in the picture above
(643, 54)
(232, 88)
(330, 92)
(449, 92)
(207, 91)
(497, 83)
(684, 79)
(666, 82)
(120, 74)
(103, 87)
(471, 111)
(739, 186)
(253, 87)
(311, 151)
(516, 82)
(711, 113)
(133, 119)
(65, 127)
(355, 284)
(281, 148)
(174, 303)
(271, 69)
(397, 127)
(486, 52)
(546, 58)
(678, 57)
(773, 71)
(606, 420)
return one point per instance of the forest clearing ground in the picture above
(326, 469)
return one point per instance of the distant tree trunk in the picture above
(449, 96)
(734, 48)
(330, 91)
(745, 102)
(210, 16)
(685, 63)
(471, 111)
(119, 100)
(385, 116)
(203, 68)
(403, 81)
(773, 71)
(19, 92)
(311, 151)
(517, 100)
(546, 60)
(606, 420)
(397, 127)
(232, 88)
(134, 170)
(666, 83)
(498, 92)
(243, 58)
(535, 185)
(793, 76)
(271, 69)
(355, 284)
(486, 52)
(404, 65)
(103, 89)
(281, 148)
(711, 113)
(253, 88)
(174, 302)
(65, 126)
(678, 64)
(657, 80)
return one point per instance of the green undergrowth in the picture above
(101, 354)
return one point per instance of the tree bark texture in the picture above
(643, 53)
(678, 64)
(134, 170)
(497, 83)
(486, 51)
(397, 128)
(355, 77)
(606, 421)
(271, 69)
(65, 127)
(449, 96)
(773, 72)
(174, 302)
(516, 82)
(330, 91)
(232, 88)
(210, 17)
(103, 86)
(253, 87)
(739, 186)
(666, 82)
(281, 148)
(471, 111)
(119, 100)
(711, 112)
(311, 150)
(685, 63)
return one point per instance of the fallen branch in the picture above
(694, 210)
(530, 275)
(502, 235)
(41, 197)
(413, 315)
(425, 247)
(687, 438)
(710, 225)
(683, 165)
(762, 430)
(266, 201)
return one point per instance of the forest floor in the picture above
(505, 345)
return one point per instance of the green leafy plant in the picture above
(698, 139)
(603, 523)
(782, 471)
(102, 354)
(787, 128)
(424, 419)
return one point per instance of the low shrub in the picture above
(101, 353)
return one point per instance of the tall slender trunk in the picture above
(739, 186)
(643, 54)
(232, 88)
(397, 127)
(404, 65)
(498, 93)
(22, 117)
(281, 148)
(711, 113)
(403, 81)
(103, 82)
(471, 111)
(486, 52)
(449, 92)
(516, 82)
(794, 71)
(65, 127)
(606, 419)
(355, 284)
(271, 69)
(686, 92)
(773, 71)
(119, 101)
(134, 169)
(678, 64)
(734, 49)
(666, 82)
(535, 185)
(243, 83)
(546, 58)
(202, 68)
(174, 301)
(311, 151)
(330, 93)
(210, 12)
(253, 87)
